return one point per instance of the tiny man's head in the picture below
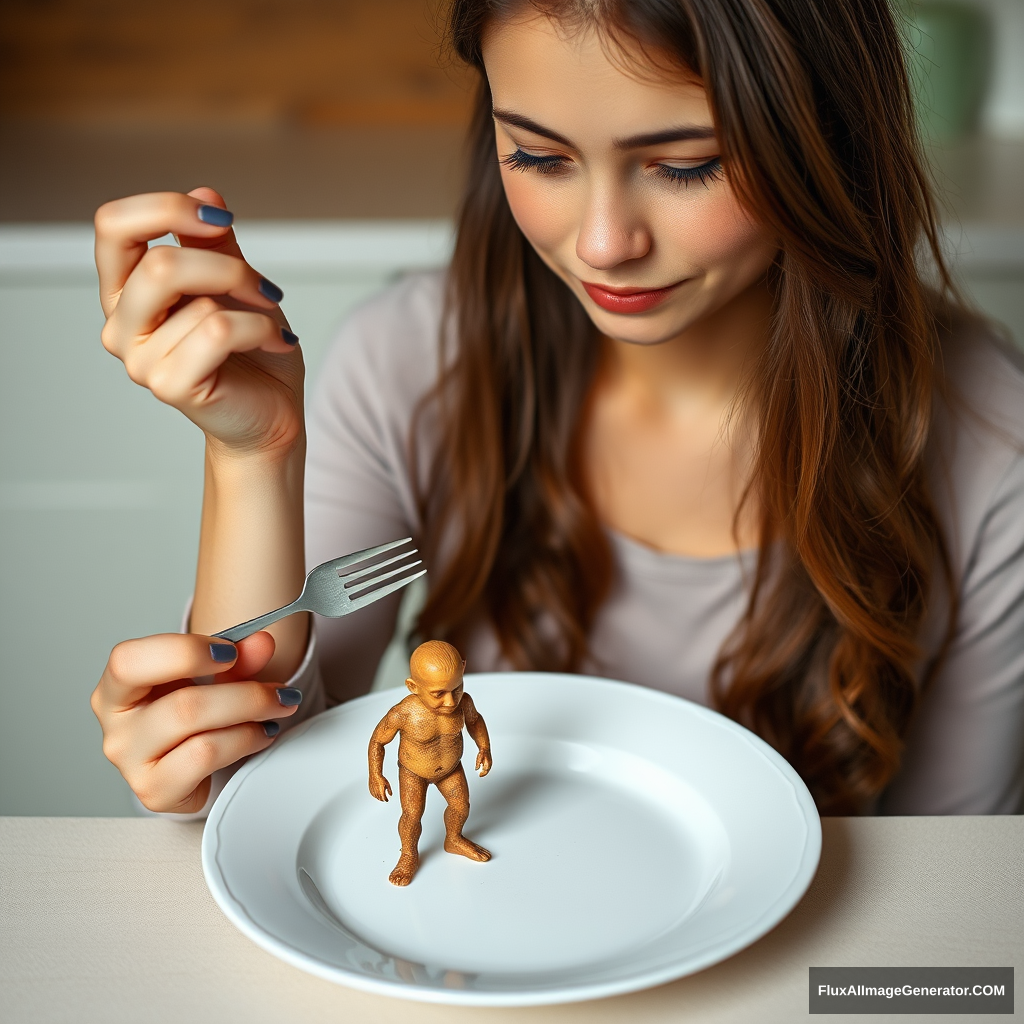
(435, 676)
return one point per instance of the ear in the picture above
(410, 685)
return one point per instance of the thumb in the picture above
(226, 243)
(254, 652)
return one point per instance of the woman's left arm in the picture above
(965, 749)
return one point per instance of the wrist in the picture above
(228, 460)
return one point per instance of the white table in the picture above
(108, 919)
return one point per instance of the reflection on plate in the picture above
(636, 837)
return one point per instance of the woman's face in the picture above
(615, 180)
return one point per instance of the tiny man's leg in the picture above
(455, 789)
(412, 791)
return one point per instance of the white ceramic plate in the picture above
(636, 837)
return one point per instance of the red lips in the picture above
(627, 300)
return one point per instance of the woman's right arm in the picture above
(203, 331)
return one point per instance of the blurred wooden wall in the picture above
(306, 62)
(298, 108)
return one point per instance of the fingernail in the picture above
(288, 696)
(271, 728)
(292, 339)
(269, 290)
(215, 215)
(223, 653)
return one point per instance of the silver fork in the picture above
(328, 592)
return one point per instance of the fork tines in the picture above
(368, 584)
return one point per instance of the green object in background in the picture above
(949, 63)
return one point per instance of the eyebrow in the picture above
(680, 133)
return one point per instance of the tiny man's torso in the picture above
(431, 744)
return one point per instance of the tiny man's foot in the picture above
(465, 848)
(404, 869)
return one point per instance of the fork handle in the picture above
(244, 629)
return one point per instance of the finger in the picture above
(124, 228)
(387, 787)
(165, 723)
(136, 666)
(254, 654)
(174, 778)
(138, 358)
(188, 372)
(226, 243)
(167, 273)
(177, 358)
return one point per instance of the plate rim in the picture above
(772, 915)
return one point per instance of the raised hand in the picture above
(195, 324)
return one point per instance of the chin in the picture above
(638, 329)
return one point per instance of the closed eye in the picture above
(709, 171)
(522, 161)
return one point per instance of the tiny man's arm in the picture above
(478, 730)
(387, 729)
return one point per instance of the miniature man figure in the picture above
(430, 722)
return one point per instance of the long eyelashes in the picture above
(520, 161)
(704, 173)
(711, 171)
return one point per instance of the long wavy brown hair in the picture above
(816, 124)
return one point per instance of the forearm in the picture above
(251, 557)
(376, 759)
(478, 731)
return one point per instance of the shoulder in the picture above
(984, 375)
(389, 345)
(402, 710)
(978, 433)
(369, 391)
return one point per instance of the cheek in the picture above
(541, 208)
(713, 232)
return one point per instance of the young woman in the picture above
(682, 411)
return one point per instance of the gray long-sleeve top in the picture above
(668, 615)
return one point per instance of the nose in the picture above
(612, 230)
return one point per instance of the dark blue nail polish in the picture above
(271, 728)
(223, 653)
(288, 696)
(292, 339)
(269, 290)
(215, 215)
